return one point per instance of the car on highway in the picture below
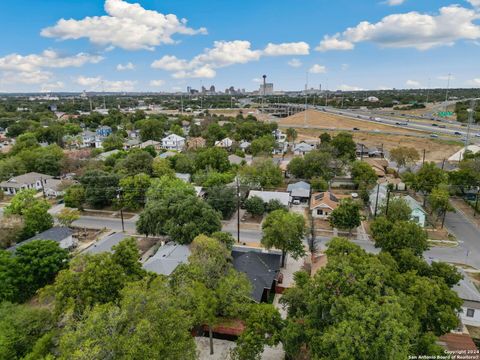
(434, 124)
(442, 126)
(458, 133)
(477, 135)
(356, 129)
(433, 135)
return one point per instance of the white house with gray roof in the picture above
(61, 234)
(467, 291)
(31, 180)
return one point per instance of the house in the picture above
(279, 135)
(186, 126)
(104, 131)
(266, 196)
(103, 156)
(376, 152)
(299, 191)
(225, 143)
(55, 187)
(261, 268)
(418, 214)
(130, 144)
(468, 292)
(361, 150)
(62, 235)
(173, 142)
(380, 166)
(244, 145)
(157, 145)
(303, 148)
(459, 343)
(322, 204)
(167, 258)
(196, 143)
(133, 134)
(31, 180)
(184, 177)
(397, 183)
(106, 244)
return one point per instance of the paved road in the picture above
(95, 222)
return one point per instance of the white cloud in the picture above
(413, 29)
(474, 82)
(99, 84)
(223, 54)
(413, 83)
(345, 67)
(295, 63)
(47, 59)
(345, 87)
(334, 43)
(318, 69)
(157, 83)
(394, 2)
(295, 48)
(257, 80)
(474, 3)
(127, 66)
(25, 77)
(128, 26)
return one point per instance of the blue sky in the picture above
(144, 45)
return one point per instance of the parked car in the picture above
(433, 135)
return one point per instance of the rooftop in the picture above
(56, 233)
(167, 258)
(106, 244)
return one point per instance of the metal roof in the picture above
(167, 258)
(106, 244)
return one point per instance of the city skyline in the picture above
(152, 45)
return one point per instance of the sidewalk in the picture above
(467, 211)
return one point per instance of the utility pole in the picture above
(238, 211)
(446, 93)
(476, 204)
(443, 163)
(376, 201)
(361, 154)
(263, 92)
(43, 187)
(424, 153)
(120, 198)
(388, 201)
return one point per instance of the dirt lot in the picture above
(332, 121)
(436, 150)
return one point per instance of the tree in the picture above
(183, 163)
(100, 187)
(34, 213)
(224, 237)
(112, 142)
(428, 177)
(166, 186)
(147, 323)
(262, 173)
(67, 216)
(363, 175)
(212, 158)
(137, 161)
(316, 163)
(325, 138)
(162, 167)
(8, 277)
(344, 146)
(38, 263)
(126, 254)
(10, 230)
(346, 216)
(404, 156)
(439, 201)
(292, 135)
(398, 210)
(255, 206)
(180, 217)
(222, 199)
(22, 328)
(151, 129)
(319, 184)
(363, 304)
(134, 190)
(262, 145)
(262, 327)
(393, 237)
(274, 204)
(75, 196)
(284, 231)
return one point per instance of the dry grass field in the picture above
(333, 122)
(436, 150)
